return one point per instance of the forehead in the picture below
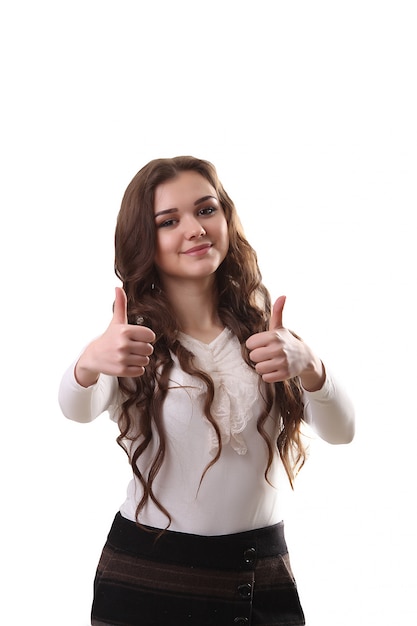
(184, 189)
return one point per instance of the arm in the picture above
(279, 355)
(90, 386)
(84, 404)
(330, 413)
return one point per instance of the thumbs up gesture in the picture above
(279, 355)
(122, 350)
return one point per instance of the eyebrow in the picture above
(196, 203)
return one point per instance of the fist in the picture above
(123, 349)
(278, 355)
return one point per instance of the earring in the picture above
(155, 288)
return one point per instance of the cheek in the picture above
(161, 244)
(226, 239)
(166, 247)
(159, 251)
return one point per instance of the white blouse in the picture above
(233, 495)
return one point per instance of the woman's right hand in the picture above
(122, 350)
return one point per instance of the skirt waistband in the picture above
(234, 551)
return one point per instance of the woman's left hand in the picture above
(278, 355)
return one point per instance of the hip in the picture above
(176, 579)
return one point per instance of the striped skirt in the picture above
(189, 580)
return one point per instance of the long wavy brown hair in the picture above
(244, 306)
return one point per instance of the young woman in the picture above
(210, 392)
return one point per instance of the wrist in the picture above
(312, 379)
(85, 376)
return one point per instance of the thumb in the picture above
(120, 307)
(276, 317)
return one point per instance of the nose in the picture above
(194, 229)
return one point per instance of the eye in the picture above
(208, 210)
(166, 223)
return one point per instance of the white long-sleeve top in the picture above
(234, 495)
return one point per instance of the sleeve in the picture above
(83, 404)
(330, 412)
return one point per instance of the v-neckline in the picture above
(203, 343)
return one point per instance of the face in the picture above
(191, 229)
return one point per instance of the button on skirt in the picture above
(180, 579)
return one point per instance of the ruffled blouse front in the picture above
(236, 387)
(233, 495)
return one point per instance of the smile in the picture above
(198, 250)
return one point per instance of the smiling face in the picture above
(191, 230)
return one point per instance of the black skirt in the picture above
(190, 580)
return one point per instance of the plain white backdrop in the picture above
(308, 111)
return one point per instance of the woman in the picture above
(210, 392)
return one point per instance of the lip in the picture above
(198, 250)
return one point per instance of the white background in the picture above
(308, 110)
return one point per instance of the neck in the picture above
(195, 306)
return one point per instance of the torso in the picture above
(234, 495)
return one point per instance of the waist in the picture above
(233, 551)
